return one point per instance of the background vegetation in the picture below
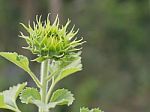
(116, 57)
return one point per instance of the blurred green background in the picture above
(116, 57)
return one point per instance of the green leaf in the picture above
(29, 95)
(62, 97)
(69, 69)
(8, 97)
(2, 103)
(20, 61)
(83, 109)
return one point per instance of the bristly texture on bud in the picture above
(50, 40)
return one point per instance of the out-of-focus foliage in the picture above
(116, 56)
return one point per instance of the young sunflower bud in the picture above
(50, 40)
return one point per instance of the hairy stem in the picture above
(44, 82)
(50, 90)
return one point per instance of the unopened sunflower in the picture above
(50, 40)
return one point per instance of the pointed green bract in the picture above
(8, 98)
(62, 97)
(21, 61)
(28, 95)
(50, 40)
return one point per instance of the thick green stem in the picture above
(44, 82)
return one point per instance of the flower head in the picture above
(50, 40)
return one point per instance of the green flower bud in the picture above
(50, 40)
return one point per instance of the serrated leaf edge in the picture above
(20, 95)
(72, 95)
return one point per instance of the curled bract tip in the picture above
(50, 41)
